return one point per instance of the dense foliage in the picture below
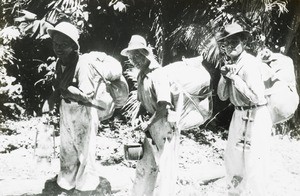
(175, 28)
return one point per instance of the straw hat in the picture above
(136, 42)
(233, 29)
(67, 29)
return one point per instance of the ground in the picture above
(201, 169)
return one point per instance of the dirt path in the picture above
(22, 174)
(285, 167)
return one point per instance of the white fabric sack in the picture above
(119, 91)
(109, 67)
(167, 175)
(190, 77)
(280, 83)
(282, 103)
(111, 88)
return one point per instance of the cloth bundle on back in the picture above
(177, 97)
(247, 152)
(190, 78)
(111, 87)
(78, 88)
(280, 82)
(192, 101)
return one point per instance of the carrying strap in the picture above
(203, 96)
(101, 78)
(189, 96)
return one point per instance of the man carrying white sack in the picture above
(156, 172)
(247, 151)
(73, 91)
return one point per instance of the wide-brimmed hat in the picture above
(136, 42)
(233, 29)
(67, 29)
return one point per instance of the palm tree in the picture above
(187, 28)
(175, 28)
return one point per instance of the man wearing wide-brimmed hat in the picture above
(154, 175)
(247, 151)
(78, 120)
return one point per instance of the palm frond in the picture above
(132, 106)
(198, 34)
(200, 38)
(159, 30)
(64, 8)
(6, 55)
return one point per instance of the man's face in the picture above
(137, 59)
(62, 45)
(233, 46)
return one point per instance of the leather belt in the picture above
(248, 107)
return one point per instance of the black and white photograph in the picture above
(149, 98)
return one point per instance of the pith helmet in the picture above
(67, 29)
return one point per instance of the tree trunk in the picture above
(291, 47)
(293, 26)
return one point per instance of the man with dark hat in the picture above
(247, 151)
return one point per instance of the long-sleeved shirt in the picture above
(246, 87)
(153, 87)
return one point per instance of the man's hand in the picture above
(144, 125)
(73, 93)
(228, 71)
(87, 98)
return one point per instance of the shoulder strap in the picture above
(99, 81)
(189, 96)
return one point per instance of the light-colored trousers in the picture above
(156, 172)
(247, 168)
(78, 126)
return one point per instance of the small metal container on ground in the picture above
(133, 151)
